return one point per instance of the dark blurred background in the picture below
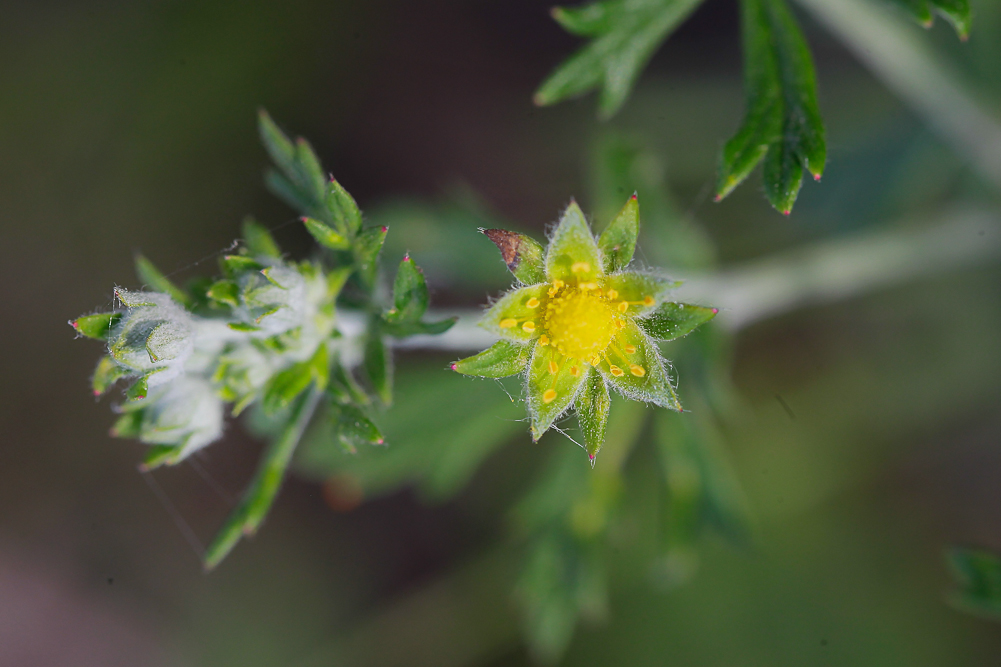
(867, 438)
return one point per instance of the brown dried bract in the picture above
(509, 244)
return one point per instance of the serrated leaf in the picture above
(153, 278)
(96, 326)
(367, 247)
(674, 320)
(956, 12)
(626, 33)
(410, 293)
(326, 236)
(523, 255)
(378, 364)
(782, 124)
(258, 240)
(592, 412)
(618, 242)
(502, 359)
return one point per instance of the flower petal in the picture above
(501, 360)
(553, 383)
(573, 254)
(634, 367)
(637, 293)
(517, 316)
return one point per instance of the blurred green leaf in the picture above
(258, 240)
(674, 320)
(956, 12)
(225, 292)
(625, 35)
(367, 247)
(378, 364)
(404, 329)
(326, 236)
(343, 210)
(782, 125)
(352, 427)
(286, 386)
(96, 326)
(410, 293)
(977, 575)
(153, 278)
(105, 375)
(158, 455)
(233, 265)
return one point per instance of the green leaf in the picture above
(553, 383)
(129, 425)
(336, 280)
(618, 242)
(522, 254)
(378, 364)
(326, 236)
(977, 575)
(286, 386)
(636, 294)
(342, 208)
(153, 278)
(573, 255)
(592, 412)
(96, 326)
(518, 314)
(278, 146)
(634, 367)
(367, 247)
(344, 388)
(404, 329)
(159, 455)
(258, 240)
(626, 33)
(106, 374)
(502, 359)
(353, 428)
(225, 292)
(674, 320)
(410, 293)
(234, 265)
(139, 388)
(247, 517)
(782, 124)
(956, 12)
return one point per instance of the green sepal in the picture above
(564, 382)
(96, 326)
(674, 320)
(234, 265)
(592, 412)
(258, 240)
(353, 428)
(286, 386)
(522, 254)
(343, 210)
(268, 272)
(637, 290)
(956, 12)
(618, 242)
(378, 365)
(514, 306)
(129, 425)
(139, 388)
(654, 385)
(573, 254)
(782, 124)
(500, 360)
(326, 236)
(132, 299)
(410, 293)
(226, 292)
(367, 247)
(160, 343)
(106, 374)
(159, 455)
(404, 329)
(153, 278)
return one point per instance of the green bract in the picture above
(587, 325)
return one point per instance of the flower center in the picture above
(579, 324)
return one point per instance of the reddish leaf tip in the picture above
(718, 198)
(816, 177)
(715, 311)
(75, 324)
(454, 366)
(591, 456)
(634, 197)
(380, 441)
(384, 229)
(787, 212)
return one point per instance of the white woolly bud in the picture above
(154, 334)
(186, 412)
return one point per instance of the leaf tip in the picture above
(718, 198)
(787, 212)
(384, 229)
(816, 177)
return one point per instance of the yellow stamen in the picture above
(613, 294)
(648, 300)
(589, 286)
(508, 323)
(528, 326)
(616, 371)
(543, 340)
(630, 349)
(553, 368)
(623, 306)
(558, 284)
(532, 303)
(574, 371)
(549, 396)
(620, 324)
(580, 267)
(637, 370)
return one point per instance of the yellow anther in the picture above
(558, 284)
(508, 323)
(623, 306)
(594, 360)
(613, 294)
(549, 396)
(553, 368)
(629, 349)
(648, 300)
(543, 340)
(589, 286)
(580, 267)
(528, 326)
(620, 324)
(637, 370)
(574, 371)
(616, 371)
(532, 303)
